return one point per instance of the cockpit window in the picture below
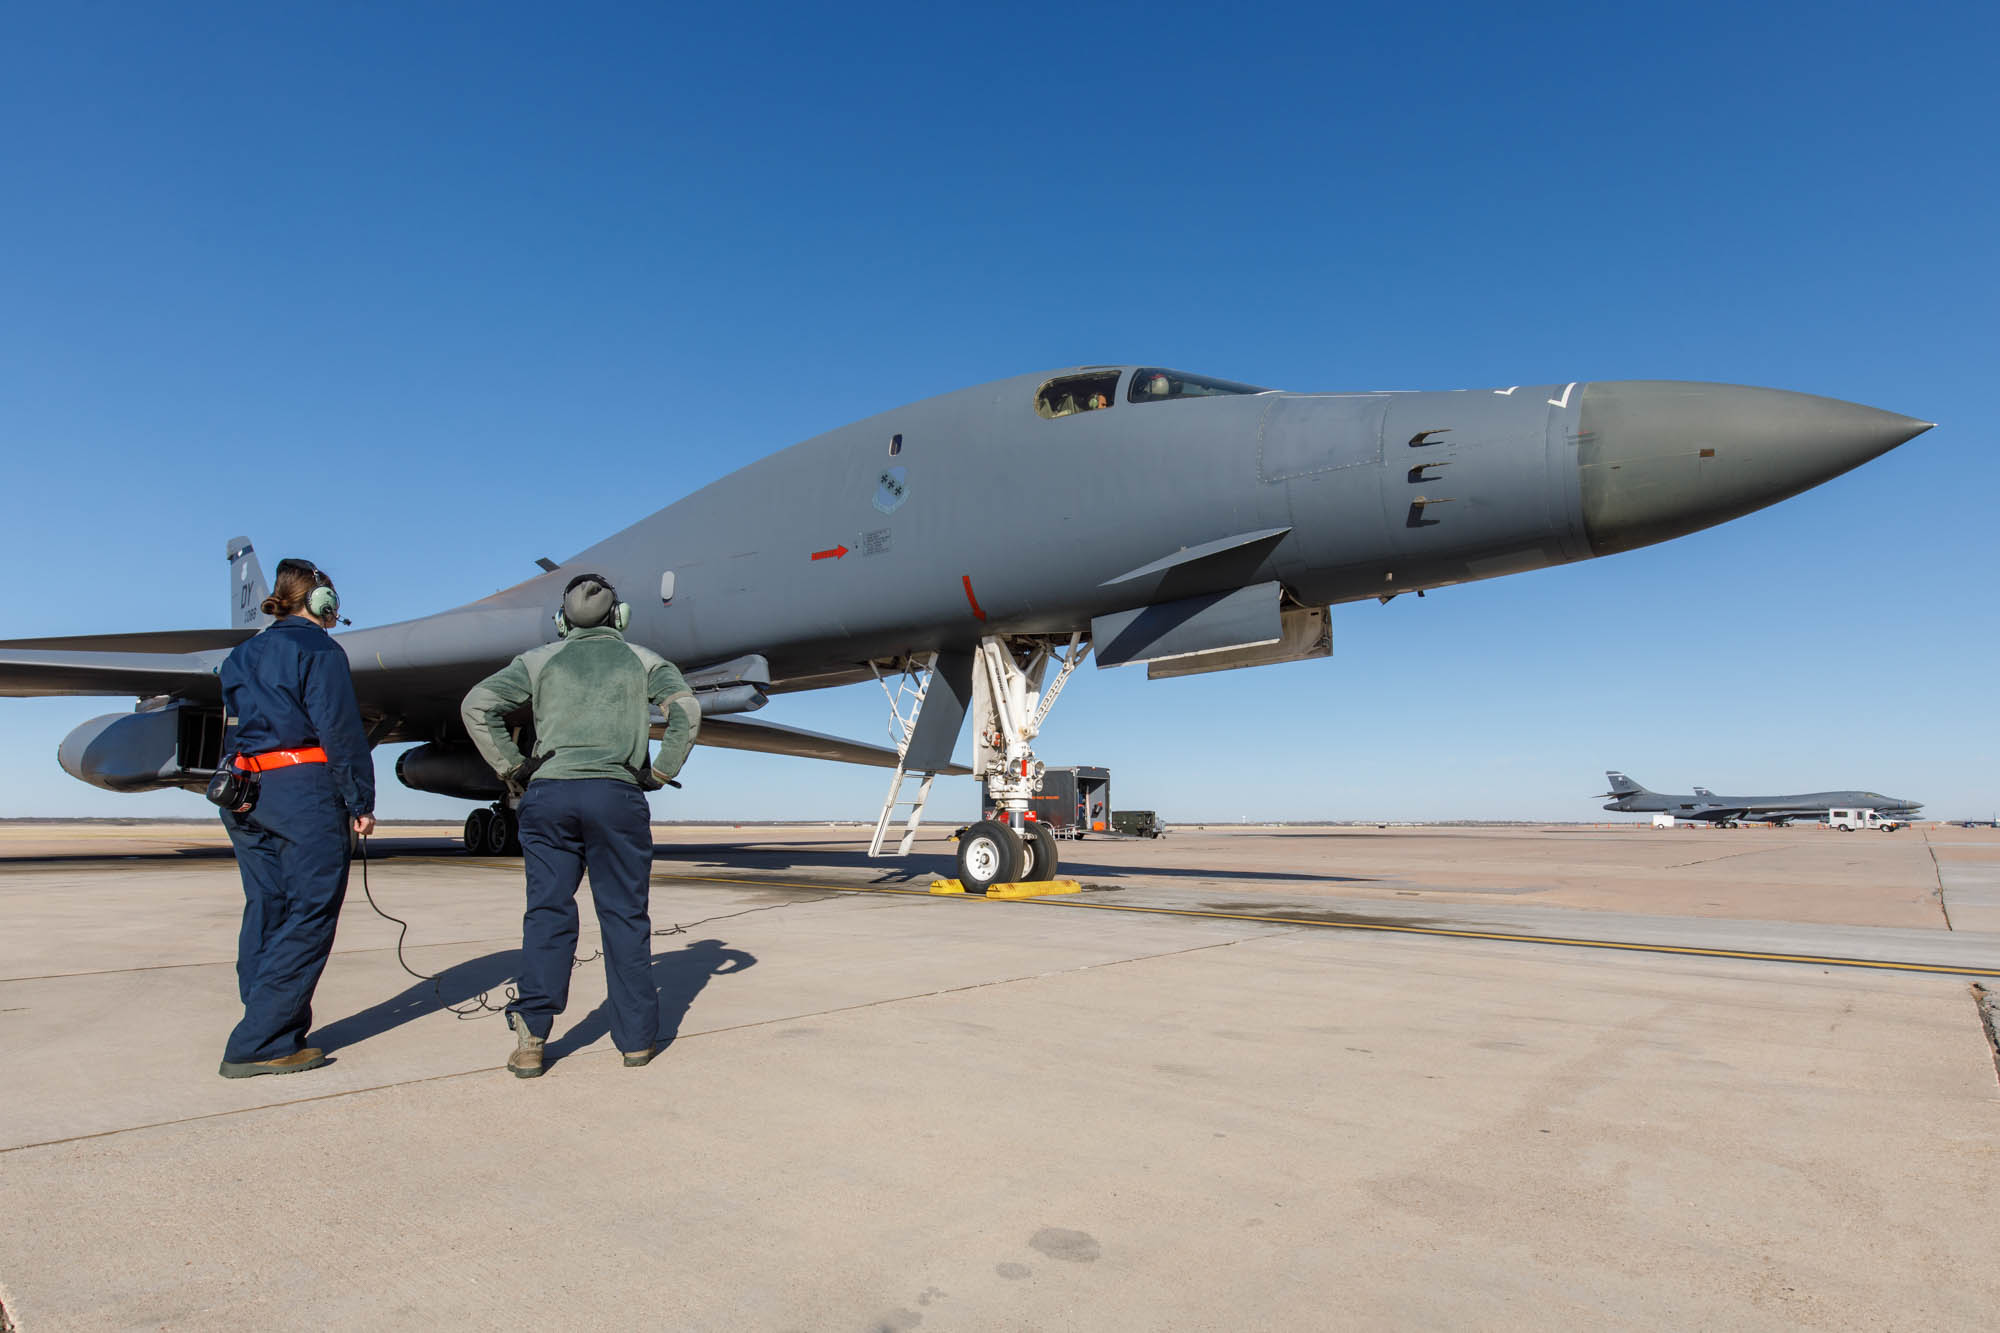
(1077, 393)
(1159, 386)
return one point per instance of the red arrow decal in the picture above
(833, 554)
(974, 600)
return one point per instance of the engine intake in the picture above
(179, 745)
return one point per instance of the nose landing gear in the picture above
(1009, 705)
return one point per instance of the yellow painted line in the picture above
(1504, 937)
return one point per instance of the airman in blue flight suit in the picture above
(583, 805)
(291, 718)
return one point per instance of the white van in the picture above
(1851, 820)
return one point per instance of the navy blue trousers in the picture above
(604, 825)
(292, 853)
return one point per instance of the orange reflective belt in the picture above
(270, 759)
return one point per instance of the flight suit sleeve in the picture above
(328, 695)
(669, 691)
(485, 711)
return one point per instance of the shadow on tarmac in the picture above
(680, 975)
(1077, 863)
(457, 984)
(379, 849)
(1083, 860)
(221, 853)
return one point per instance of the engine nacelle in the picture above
(449, 770)
(175, 746)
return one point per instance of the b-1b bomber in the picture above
(1629, 797)
(970, 550)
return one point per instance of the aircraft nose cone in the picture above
(1662, 458)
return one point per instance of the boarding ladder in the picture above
(906, 701)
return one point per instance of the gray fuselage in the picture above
(991, 517)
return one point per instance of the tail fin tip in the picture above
(247, 588)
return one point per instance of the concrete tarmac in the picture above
(1248, 1078)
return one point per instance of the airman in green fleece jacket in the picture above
(583, 805)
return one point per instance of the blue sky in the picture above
(424, 292)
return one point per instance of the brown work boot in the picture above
(633, 1059)
(526, 1061)
(312, 1057)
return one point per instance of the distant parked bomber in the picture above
(1631, 798)
(960, 548)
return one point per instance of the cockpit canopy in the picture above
(1067, 395)
(1095, 390)
(1158, 386)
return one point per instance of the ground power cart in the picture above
(1073, 802)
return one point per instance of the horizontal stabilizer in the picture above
(150, 641)
(742, 733)
(30, 672)
(1244, 618)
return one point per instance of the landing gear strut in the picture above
(1009, 706)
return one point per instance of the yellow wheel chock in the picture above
(1036, 888)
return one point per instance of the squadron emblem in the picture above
(892, 488)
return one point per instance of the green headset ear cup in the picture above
(623, 617)
(322, 602)
(562, 624)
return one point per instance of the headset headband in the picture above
(620, 614)
(324, 599)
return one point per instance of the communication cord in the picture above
(472, 1008)
(480, 1004)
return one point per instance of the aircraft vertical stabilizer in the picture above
(247, 588)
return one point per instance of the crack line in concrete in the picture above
(709, 1032)
(1938, 870)
(1987, 1004)
(1704, 860)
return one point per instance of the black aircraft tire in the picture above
(513, 842)
(496, 834)
(988, 854)
(1039, 851)
(475, 831)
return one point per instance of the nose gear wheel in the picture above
(989, 853)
